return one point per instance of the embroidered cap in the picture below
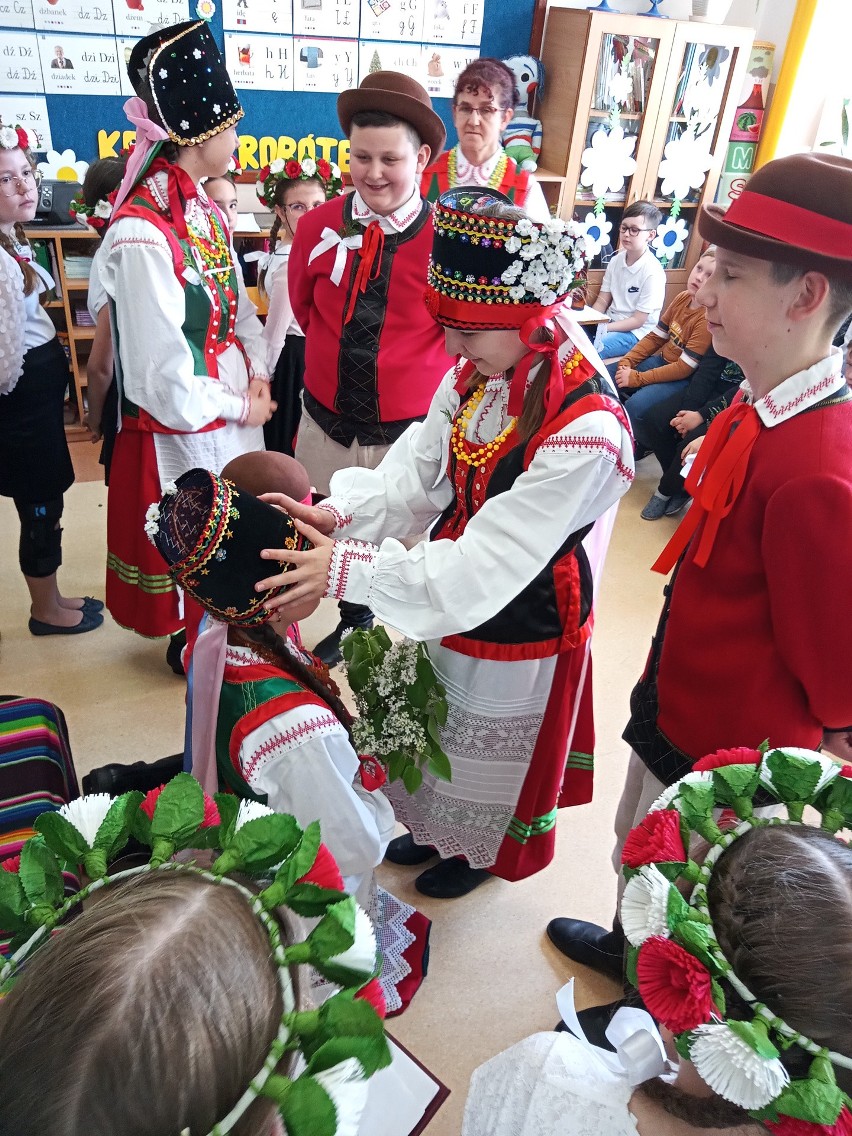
(211, 535)
(490, 273)
(191, 88)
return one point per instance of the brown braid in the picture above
(266, 641)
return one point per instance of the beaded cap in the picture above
(211, 535)
(490, 273)
(192, 90)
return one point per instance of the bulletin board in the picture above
(63, 74)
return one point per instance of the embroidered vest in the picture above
(550, 614)
(250, 696)
(210, 300)
(436, 180)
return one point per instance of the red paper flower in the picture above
(789, 1126)
(11, 864)
(742, 755)
(96, 222)
(23, 139)
(323, 168)
(211, 813)
(264, 174)
(325, 872)
(656, 840)
(374, 994)
(674, 985)
(846, 771)
(293, 169)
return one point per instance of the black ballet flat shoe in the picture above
(451, 879)
(402, 850)
(90, 620)
(174, 651)
(91, 604)
(590, 945)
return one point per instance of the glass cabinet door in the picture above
(616, 119)
(690, 143)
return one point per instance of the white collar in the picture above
(800, 391)
(396, 222)
(478, 175)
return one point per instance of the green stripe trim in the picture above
(521, 831)
(154, 584)
(577, 760)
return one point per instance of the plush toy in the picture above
(522, 137)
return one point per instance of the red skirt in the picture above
(139, 592)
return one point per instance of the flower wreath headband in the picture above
(95, 215)
(14, 138)
(674, 957)
(307, 170)
(343, 1042)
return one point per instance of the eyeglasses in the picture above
(10, 184)
(465, 110)
(632, 231)
(298, 208)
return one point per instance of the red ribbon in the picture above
(715, 481)
(370, 264)
(793, 224)
(550, 350)
(373, 775)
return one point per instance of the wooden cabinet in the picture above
(639, 108)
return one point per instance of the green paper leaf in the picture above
(630, 965)
(40, 874)
(179, 810)
(141, 828)
(794, 778)
(718, 994)
(756, 1035)
(695, 804)
(308, 1110)
(682, 1045)
(412, 778)
(335, 932)
(811, 1100)
(228, 806)
(344, 1014)
(732, 782)
(12, 896)
(115, 828)
(61, 837)
(677, 909)
(372, 1052)
(694, 937)
(297, 864)
(835, 803)
(259, 844)
(310, 900)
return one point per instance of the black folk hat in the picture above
(186, 74)
(399, 95)
(211, 535)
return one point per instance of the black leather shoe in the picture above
(174, 650)
(403, 850)
(594, 1021)
(589, 944)
(451, 879)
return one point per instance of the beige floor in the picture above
(493, 975)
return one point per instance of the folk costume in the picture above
(502, 591)
(259, 729)
(499, 172)
(187, 338)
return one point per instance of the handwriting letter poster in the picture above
(259, 62)
(89, 64)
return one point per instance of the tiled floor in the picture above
(493, 975)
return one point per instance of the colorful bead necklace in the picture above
(212, 247)
(462, 448)
(493, 182)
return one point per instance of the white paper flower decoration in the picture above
(250, 810)
(608, 161)
(644, 905)
(152, 519)
(671, 237)
(731, 1068)
(685, 163)
(347, 1087)
(87, 814)
(620, 88)
(63, 167)
(8, 138)
(362, 954)
(596, 230)
(309, 167)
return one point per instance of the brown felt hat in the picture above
(400, 96)
(267, 471)
(795, 210)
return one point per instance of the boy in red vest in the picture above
(758, 616)
(373, 355)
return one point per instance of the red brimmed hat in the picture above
(795, 210)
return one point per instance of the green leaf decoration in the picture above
(682, 1045)
(719, 1000)
(735, 785)
(441, 709)
(353, 1017)
(13, 899)
(141, 828)
(811, 1100)
(794, 778)
(412, 778)
(115, 828)
(179, 811)
(310, 900)
(694, 937)
(372, 1052)
(61, 837)
(297, 864)
(756, 1035)
(260, 843)
(40, 874)
(307, 1109)
(630, 966)
(677, 909)
(335, 932)
(439, 766)
(381, 637)
(695, 804)
(835, 803)
(228, 806)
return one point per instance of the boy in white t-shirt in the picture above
(634, 285)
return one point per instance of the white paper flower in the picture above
(596, 230)
(361, 955)
(8, 138)
(346, 1085)
(671, 237)
(63, 167)
(517, 292)
(103, 209)
(664, 801)
(277, 167)
(620, 88)
(250, 810)
(513, 244)
(685, 163)
(309, 166)
(87, 814)
(608, 161)
(644, 905)
(335, 171)
(524, 227)
(169, 489)
(731, 1068)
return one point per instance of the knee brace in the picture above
(40, 548)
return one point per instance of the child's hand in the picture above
(691, 448)
(92, 423)
(262, 406)
(320, 519)
(622, 376)
(305, 581)
(686, 420)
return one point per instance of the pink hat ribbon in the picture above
(148, 134)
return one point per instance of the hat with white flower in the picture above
(334, 1050)
(489, 272)
(307, 169)
(737, 1041)
(191, 88)
(211, 535)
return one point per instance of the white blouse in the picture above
(280, 321)
(24, 324)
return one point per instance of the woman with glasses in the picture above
(290, 190)
(35, 466)
(483, 104)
